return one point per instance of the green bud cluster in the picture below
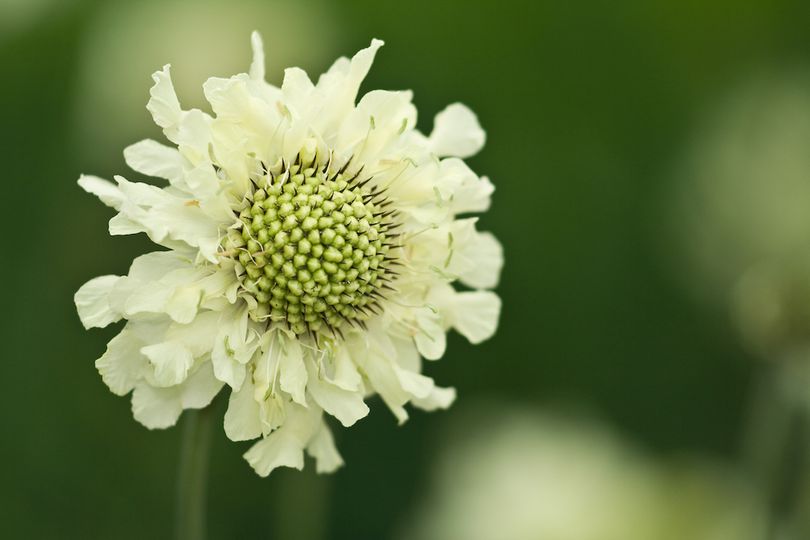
(314, 246)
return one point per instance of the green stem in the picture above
(193, 474)
(776, 454)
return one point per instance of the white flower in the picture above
(312, 243)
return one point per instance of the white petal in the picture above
(232, 347)
(292, 372)
(163, 104)
(182, 305)
(456, 132)
(475, 314)
(473, 196)
(193, 136)
(416, 384)
(431, 340)
(487, 255)
(383, 379)
(92, 302)
(340, 84)
(376, 123)
(257, 65)
(200, 388)
(322, 448)
(345, 372)
(345, 405)
(197, 336)
(154, 159)
(172, 361)
(297, 88)
(461, 189)
(158, 408)
(122, 365)
(103, 189)
(242, 419)
(439, 398)
(285, 446)
(163, 213)
(226, 368)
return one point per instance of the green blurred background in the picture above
(588, 108)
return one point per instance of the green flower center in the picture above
(315, 246)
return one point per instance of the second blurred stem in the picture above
(301, 504)
(777, 455)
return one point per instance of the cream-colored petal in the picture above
(233, 347)
(438, 398)
(383, 379)
(456, 132)
(159, 408)
(486, 261)
(154, 159)
(201, 387)
(257, 65)
(322, 448)
(284, 447)
(156, 408)
(345, 405)
(93, 304)
(475, 314)
(431, 340)
(122, 365)
(242, 419)
(171, 361)
(105, 190)
(292, 372)
(163, 104)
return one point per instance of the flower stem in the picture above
(192, 474)
(776, 455)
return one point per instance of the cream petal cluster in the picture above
(311, 246)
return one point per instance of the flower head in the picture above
(312, 243)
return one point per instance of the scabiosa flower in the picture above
(312, 246)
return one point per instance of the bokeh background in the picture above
(605, 121)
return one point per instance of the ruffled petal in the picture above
(163, 104)
(284, 447)
(105, 190)
(233, 347)
(456, 132)
(475, 314)
(159, 408)
(122, 365)
(379, 369)
(322, 448)
(438, 398)
(345, 405)
(171, 361)
(431, 340)
(292, 372)
(485, 256)
(243, 419)
(154, 159)
(93, 304)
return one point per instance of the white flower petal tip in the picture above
(105, 190)
(163, 104)
(456, 132)
(310, 241)
(257, 65)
